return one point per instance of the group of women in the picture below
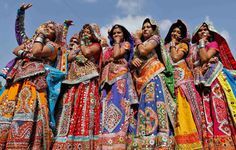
(136, 92)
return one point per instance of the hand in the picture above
(75, 47)
(205, 36)
(103, 42)
(138, 34)
(174, 40)
(117, 40)
(137, 62)
(204, 68)
(69, 22)
(23, 7)
(42, 30)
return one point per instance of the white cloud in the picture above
(130, 6)
(132, 23)
(207, 19)
(164, 25)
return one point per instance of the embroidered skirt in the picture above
(24, 120)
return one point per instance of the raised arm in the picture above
(67, 24)
(21, 36)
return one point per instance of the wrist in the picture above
(201, 44)
(21, 53)
(20, 12)
(138, 41)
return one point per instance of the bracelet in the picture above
(172, 44)
(201, 44)
(21, 53)
(39, 40)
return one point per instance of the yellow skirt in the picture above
(186, 134)
(24, 120)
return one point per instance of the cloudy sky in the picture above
(129, 13)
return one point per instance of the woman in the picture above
(187, 134)
(210, 59)
(117, 90)
(24, 120)
(56, 73)
(78, 124)
(156, 106)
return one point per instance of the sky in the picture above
(129, 13)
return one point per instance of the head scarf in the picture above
(96, 30)
(154, 25)
(226, 56)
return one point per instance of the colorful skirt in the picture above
(24, 120)
(218, 102)
(79, 119)
(186, 133)
(154, 130)
(117, 114)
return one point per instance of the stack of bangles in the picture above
(201, 44)
(40, 39)
(21, 53)
(172, 45)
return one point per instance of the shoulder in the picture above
(155, 38)
(213, 44)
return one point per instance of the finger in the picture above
(29, 5)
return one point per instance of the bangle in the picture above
(201, 44)
(172, 44)
(39, 39)
(21, 53)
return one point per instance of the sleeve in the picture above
(214, 45)
(155, 38)
(183, 47)
(21, 36)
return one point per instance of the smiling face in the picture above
(147, 30)
(176, 34)
(203, 32)
(118, 33)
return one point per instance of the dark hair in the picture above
(123, 29)
(93, 37)
(183, 31)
